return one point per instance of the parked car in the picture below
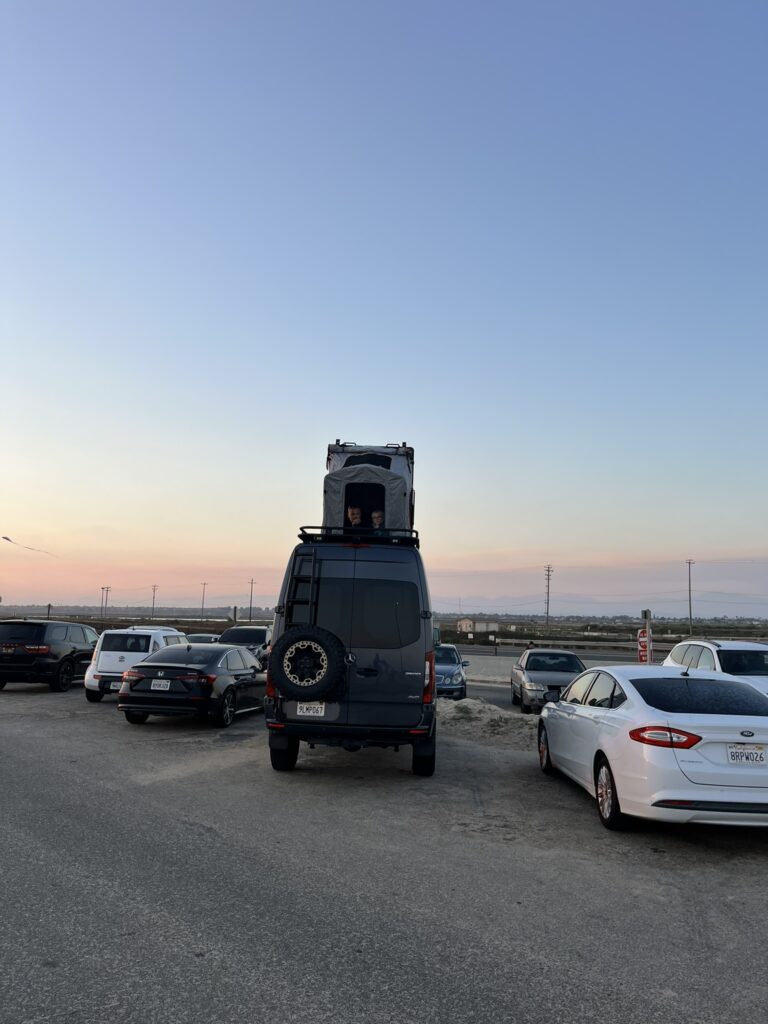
(742, 658)
(206, 680)
(450, 678)
(538, 670)
(45, 651)
(656, 741)
(255, 638)
(203, 638)
(352, 662)
(117, 650)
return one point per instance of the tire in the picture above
(2, 683)
(545, 760)
(515, 699)
(606, 797)
(136, 717)
(224, 715)
(285, 760)
(524, 708)
(64, 677)
(423, 764)
(93, 696)
(462, 695)
(307, 662)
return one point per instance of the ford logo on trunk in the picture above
(746, 732)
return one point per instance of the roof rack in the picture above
(357, 535)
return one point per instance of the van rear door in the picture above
(385, 680)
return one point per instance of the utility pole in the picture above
(154, 591)
(548, 570)
(250, 606)
(106, 599)
(202, 606)
(690, 562)
(101, 604)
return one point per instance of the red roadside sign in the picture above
(644, 646)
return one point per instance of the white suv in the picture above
(743, 658)
(118, 650)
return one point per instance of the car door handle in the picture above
(367, 672)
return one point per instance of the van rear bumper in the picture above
(421, 734)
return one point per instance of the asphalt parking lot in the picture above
(166, 873)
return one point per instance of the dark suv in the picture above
(352, 662)
(44, 651)
(254, 638)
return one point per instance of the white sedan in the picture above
(655, 741)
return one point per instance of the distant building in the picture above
(477, 626)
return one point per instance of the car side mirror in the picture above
(465, 664)
(552, 695)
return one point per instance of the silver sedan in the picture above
(540, 669)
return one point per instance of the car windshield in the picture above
(554, 663)
(744, 663)
(446, 656)
(244, 635)
(183, 654)
(702, 696)
(23, 632)
(137, 643)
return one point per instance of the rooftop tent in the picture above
(398, 459)
(369, 487)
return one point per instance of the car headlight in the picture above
(456, 677)
(528, 685)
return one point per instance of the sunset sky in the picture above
(528, 238)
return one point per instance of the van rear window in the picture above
(125, 642)
(362, 613)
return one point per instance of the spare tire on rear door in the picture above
(307, 662)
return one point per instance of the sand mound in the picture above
(476, 719)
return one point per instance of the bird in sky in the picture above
(26, 548)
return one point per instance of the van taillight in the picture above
(428, 696)
(271, 689)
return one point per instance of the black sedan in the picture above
(215, 681)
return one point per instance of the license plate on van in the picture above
(160, 684)
(314, 709)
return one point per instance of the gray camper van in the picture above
(352, 661)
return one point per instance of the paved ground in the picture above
(165, 873)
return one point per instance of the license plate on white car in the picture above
(114, 686)
(747, 753)
(315, 709)
(160, 684)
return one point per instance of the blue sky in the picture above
(527, 238)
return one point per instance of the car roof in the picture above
(141, 630)
(626, 673)
(729, 645)
(549, 650)
(211, 649)
(46, 622)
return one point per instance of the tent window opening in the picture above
(370, 459)
(369, 498)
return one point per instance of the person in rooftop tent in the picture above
(377, 522)
(354, 520)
